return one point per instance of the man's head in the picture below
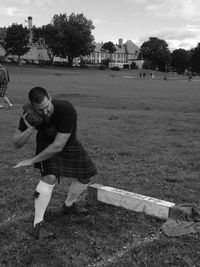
(41, 101)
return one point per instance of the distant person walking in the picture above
(4, 79)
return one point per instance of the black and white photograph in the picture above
(100, 133)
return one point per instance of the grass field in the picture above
(144, 137)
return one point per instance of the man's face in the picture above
(45, 108)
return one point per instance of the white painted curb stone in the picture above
(131, 201)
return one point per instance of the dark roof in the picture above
(131, 47)
(128, 47)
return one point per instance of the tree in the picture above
(75, 35)
(67, 36)
(48, 36)
(180, 60)
(156, 50)
(16, 41)
(79, 39)
(110, 47)
(195, 59)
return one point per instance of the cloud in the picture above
(100, 21)
(43, 4)
(178, 34)
(187, 44)
(23, 8)
(141, 2)
(106, 38)
(25, 4)
(12, 12)
(181, 37)
(185, 9)
(15, 3)
(188, 10)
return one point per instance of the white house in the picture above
(125, 53)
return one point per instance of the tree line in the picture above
(71, 36)
(157, 55)
(66, 37)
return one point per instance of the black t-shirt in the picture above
(63, 120)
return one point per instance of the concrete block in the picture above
(131, 201)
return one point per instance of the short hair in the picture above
(37, 95)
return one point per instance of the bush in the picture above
(134, 65)
(41, 63)
(84, 66)
(115, 68)
(148, 65)
(102, 67)
(106, 62)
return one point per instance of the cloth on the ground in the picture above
(183, 219)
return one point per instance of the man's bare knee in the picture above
(49, 179)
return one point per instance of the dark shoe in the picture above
(40, 231)
(74, 209)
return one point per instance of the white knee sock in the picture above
(42, 201)
(75, 189)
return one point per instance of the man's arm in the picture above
(20, 138)
(50, 151)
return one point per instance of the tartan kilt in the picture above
(3, 88)
(72, 162)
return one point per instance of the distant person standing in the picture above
(152, 75)
(4, 79)
(165, 76)
(190, 76)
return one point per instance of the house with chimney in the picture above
(125, 53)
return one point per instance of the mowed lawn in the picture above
(144, 137)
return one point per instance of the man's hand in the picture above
(26, 122)
(24, 163)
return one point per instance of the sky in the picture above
(175, 21)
